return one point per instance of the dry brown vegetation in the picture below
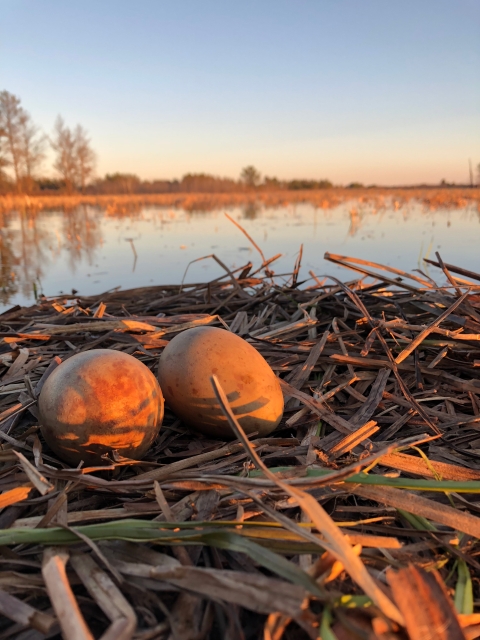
(116, 204)
(357, 517)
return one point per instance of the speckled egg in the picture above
(97, 401)
(252, 389)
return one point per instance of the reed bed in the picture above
(326, 198)
(357, 518)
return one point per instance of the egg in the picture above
(97, 401)
(252, 389)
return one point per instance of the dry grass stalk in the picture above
(69, 616)
(108, 597)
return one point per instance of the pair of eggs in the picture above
(102, 399)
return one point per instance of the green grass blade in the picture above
(326, 632)
(463, 590)
(264, 557)
(146, 530)
(417, 522)
(412, 484)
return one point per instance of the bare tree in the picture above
(63, 143)
(10, 115)
(3, 154)
(85, 156)
(32, 143)
(21, 143)
(250, 176)
(75, 159)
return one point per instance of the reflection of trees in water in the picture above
(30, 246)
(81, 234)
(29, 241)
(22, 254)
(251, 211)
(32, 240)
(8, 285)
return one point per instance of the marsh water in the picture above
(93, 250)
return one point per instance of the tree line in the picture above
(23, 150)
(24, 147)
(127, 183)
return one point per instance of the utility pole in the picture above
(471, 171)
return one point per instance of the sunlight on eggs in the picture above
(251, 387)
(98, 401)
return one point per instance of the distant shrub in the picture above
(250, 176)
(295, 185)
(50, 184)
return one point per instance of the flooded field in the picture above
(93, 249)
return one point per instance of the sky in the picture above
(375, 91)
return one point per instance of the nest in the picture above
(356, 518)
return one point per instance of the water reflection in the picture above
(355, 222)
(23, 250)
(7, 262)
(251, 211)
(93, 249)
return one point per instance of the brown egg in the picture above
(97, 401)
(252, 389)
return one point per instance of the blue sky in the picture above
(380, 91)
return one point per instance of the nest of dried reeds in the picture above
(356, 518)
